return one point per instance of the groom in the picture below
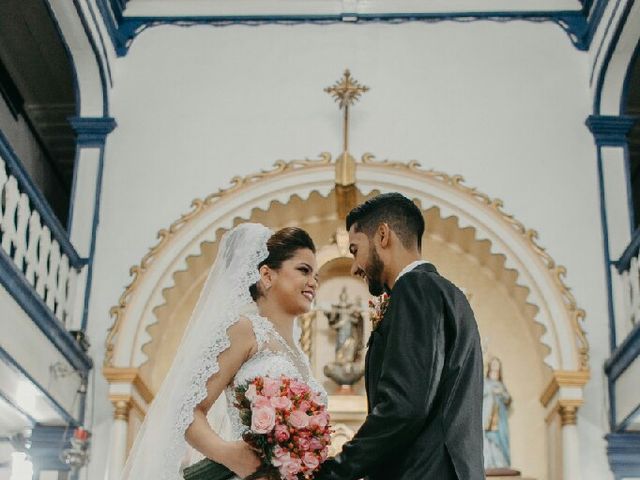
(424, 362)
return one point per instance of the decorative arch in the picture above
(476, 220)
(539, 273)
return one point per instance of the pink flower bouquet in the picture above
(287, 425)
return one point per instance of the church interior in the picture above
(135, 133)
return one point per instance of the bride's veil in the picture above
(160, 444)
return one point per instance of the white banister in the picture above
(27, 239)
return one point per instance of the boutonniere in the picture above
(378, 307)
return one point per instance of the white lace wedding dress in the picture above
(159, 450)
(274, 358)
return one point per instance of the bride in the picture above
(242, 327)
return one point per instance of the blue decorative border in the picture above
(15, 366)
(578, 24)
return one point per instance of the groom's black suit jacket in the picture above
(424, 389)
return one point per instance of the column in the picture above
(570, 443)
(119, 435)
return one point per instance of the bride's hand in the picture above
(241, 459)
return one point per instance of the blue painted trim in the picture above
(610, 131)
(624, 263)
(581, 25)
(626, 422)
(603, 40)
(46, 444)
(103, 44)
(123, 29)
(624, 355)
(72, 195)
(623, 451)
(117, 7)
(94, 235)
(25, 295)
(117, 39)
(39, 202)
(16, 367)
(94, 49)
(605, 245)
(92, 131)
(18, 408)
(608, 56)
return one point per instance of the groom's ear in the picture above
(384, 233)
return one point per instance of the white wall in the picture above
(502, 104)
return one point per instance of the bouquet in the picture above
(288, 427)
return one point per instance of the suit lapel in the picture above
(369, 375)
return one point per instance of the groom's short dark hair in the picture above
(394, 209)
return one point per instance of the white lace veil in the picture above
(160, 444)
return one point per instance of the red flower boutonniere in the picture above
(378, 307)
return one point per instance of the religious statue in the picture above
(496, 401)
(347, 321)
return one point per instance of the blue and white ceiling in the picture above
(125, 19)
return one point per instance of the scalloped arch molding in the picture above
(557, 309)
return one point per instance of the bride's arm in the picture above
(237, 456)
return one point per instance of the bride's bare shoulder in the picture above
(242, 336)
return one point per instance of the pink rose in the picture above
(320, 420)
(271, 387)
(292, 467)
(283, 403)
(303, 443)
(260, 401)
(251, 393)
(298, 419)
(278, 451)
(298, 388)
(304, 406)
(316, 444)
(263, 419)
(289, 466)
(282, 434)
(281, 458)
(310, 460)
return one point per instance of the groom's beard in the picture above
(374, 274)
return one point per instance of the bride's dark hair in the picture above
(283, 245)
